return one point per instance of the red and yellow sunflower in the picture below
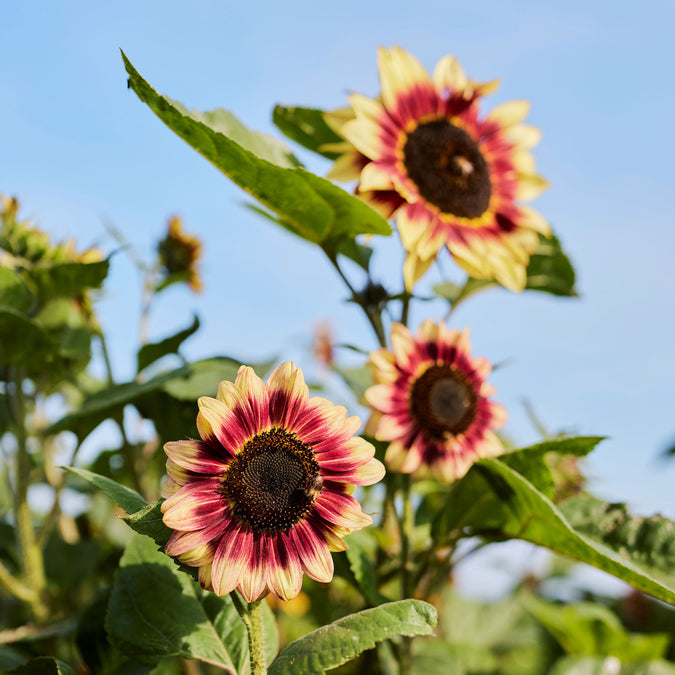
(430, 401)
(423, 153)
(265, 495)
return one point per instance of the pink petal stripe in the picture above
(227, 427)
(232, 558)
(254, 579)
(341, 509)
(255, 390)
(284, 576)
(288, 395)
(195, 456)
(366, 474)
(182, 542)
(195, 506)
(237, 401)
(313, 552)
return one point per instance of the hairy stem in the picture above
(31, 555)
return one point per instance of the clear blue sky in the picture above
(78, 148)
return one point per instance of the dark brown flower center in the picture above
(448, 168)
(443, 401)
(273, 482)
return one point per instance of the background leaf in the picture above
(339, 642)
(149, 353)
(307, 127)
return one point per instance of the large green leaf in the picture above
(344, 639)
(68, 278)
(651, 541)
(494, 500)
(307, 127)
(23, 342)
(589, 629)
(110, 402)
(155, 610)
(149, 353)
(315, 208)
(123, 496)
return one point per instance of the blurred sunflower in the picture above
(422, 153)
(430, 401)
(266, 494)
(179, 254)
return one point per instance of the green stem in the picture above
(252, 616)
(31, 554)
(406, 524)
(373, 317)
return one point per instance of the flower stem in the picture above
(252, 616)
(31, 554)
(407, 524)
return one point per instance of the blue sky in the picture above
(79, 149)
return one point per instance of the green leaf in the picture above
(155, 610)
(650, 541)
(574, 665)
(494, 499)
(313, 206)
(344, 639)
(124, 497)
(148, 521)
(110, 402)
(150, 353)
(454, 293)
(23, 342)
(531, 463)
(67, 279)
(550, 270)
(13, 293)
(357, 379)
(307, 127)
(203, 377)
(361, 566)
(589, 629)
(44, 665)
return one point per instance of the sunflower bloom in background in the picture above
(179, 253)
(430, 401)
(265, 495)
(422, 153)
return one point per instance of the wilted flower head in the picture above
(179, 253)
(265, 495)
(430, 401)
(423, 153)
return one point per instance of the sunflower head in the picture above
(430, 401)
(179, 253)
(265, 494)
(422, 152)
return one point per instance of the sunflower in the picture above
(430, 401)
(265, 495)
(179, 253)
(422, 153)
